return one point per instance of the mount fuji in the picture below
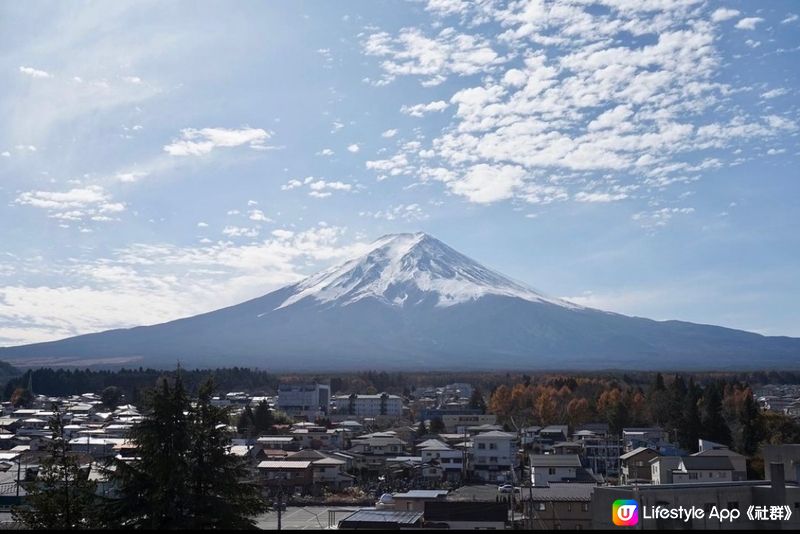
(411, 302)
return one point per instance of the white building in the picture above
(378, 405)
(304, 400)
(548, 468)
(440, 461)
(494, 456)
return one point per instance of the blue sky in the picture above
(159, 159)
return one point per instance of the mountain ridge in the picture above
(412, 302)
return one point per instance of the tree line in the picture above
(133, 382)
(718, 410)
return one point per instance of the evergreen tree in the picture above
(111, 397)
(676, 395)
(224, 492)
(437, 425)
(184, 476)
(422, 430)
(617, 415)
(689, 434)
(476, 401)
(153, 490)
(714, 426)
(61, 497)
(263, 419)
(657, 401)
(750, 424)
(246, 423)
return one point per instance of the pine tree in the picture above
(476, 401)
(657, 401)
(263, 419)
(437, 425)
(751, 425)
(224, 492)
(184, 476)
(246, 423)
(153, 489)
(676, 395)
(111, 397)
(714, 426)
(689, 434)
(62, 497)
(422, 430)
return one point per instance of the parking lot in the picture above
(303, 518)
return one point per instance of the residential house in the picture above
(635, 466)
(560, 506)
(286, 476)
(494, 456)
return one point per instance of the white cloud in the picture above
(434, 58)
(131, 176)
(258, 215)
(419, 110)
(723, 14)
(485, 184)
(35, 73)
(659, 217)
(194, 142)
(791, 18)
(240, 231)
(317, 187)
(585, 196)
(153, 283)
(594, 106)
(353, 148)
(291, 184)
(405, 212)
(389, 133)
(325, 152)
(749, 23)
(774, 93)
(77, 204)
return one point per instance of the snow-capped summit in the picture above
(411, 302)
(409, 269)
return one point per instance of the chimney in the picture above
(776, 476)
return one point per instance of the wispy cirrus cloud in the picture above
(78, 204)
(137, 284)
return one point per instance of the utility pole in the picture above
(279, 501)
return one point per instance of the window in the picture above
(585, 507)
(481, 446)
(552, 471)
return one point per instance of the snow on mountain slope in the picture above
(406, 269)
